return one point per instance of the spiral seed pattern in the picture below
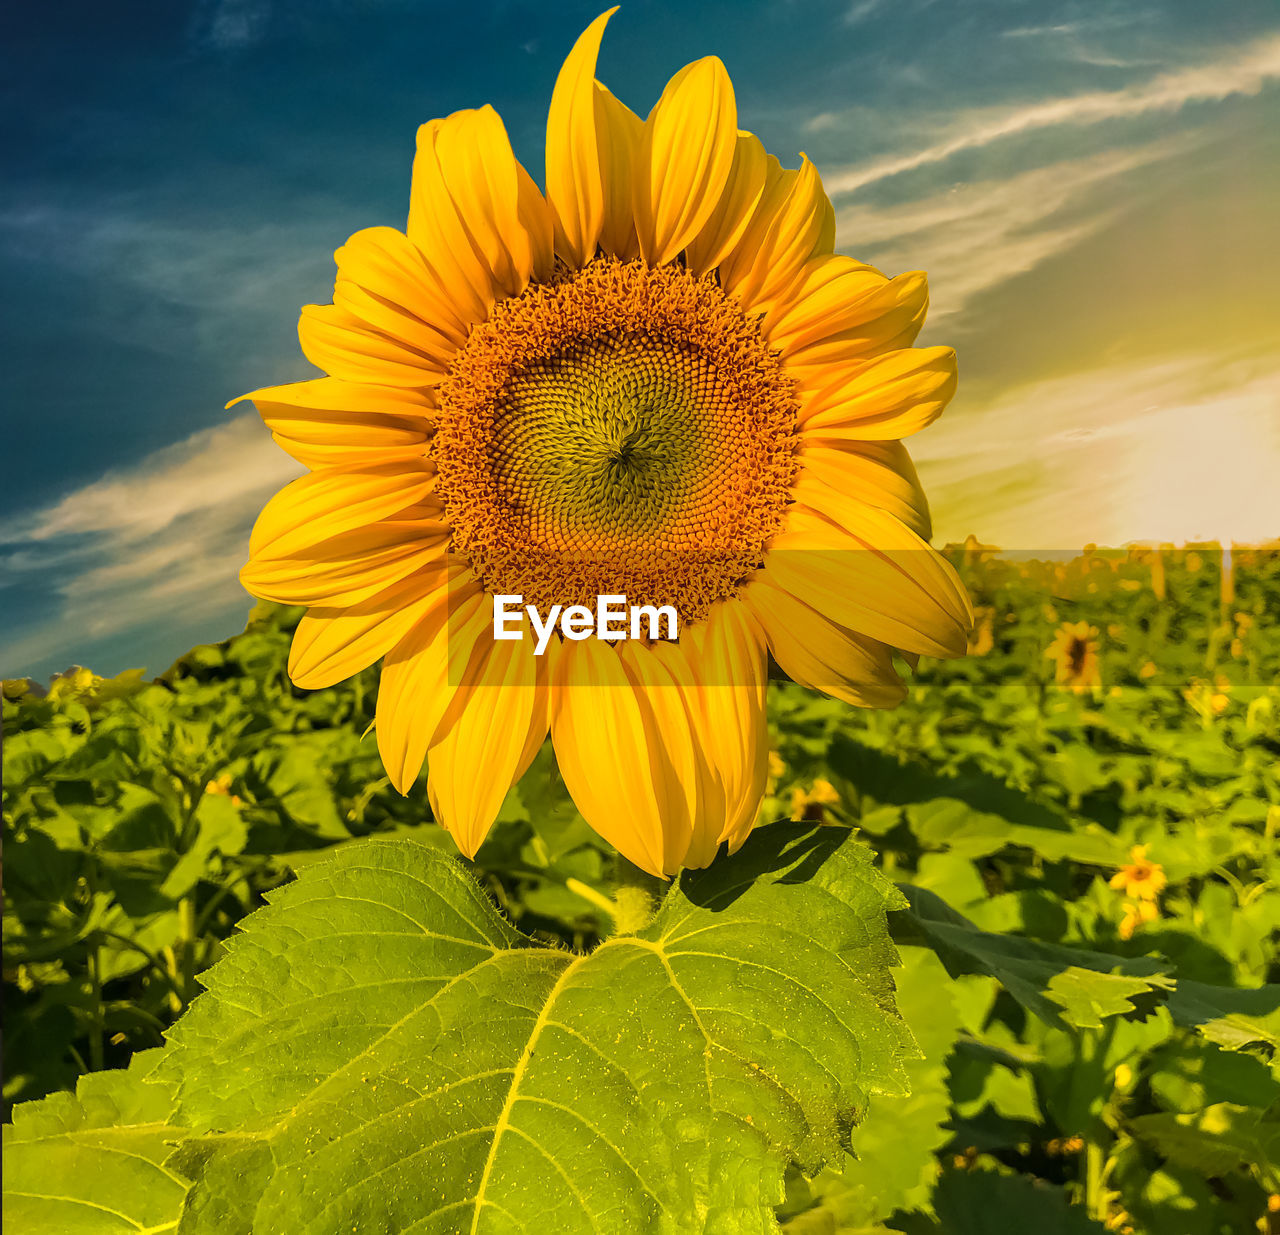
(619, 429)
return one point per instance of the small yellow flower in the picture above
(776, 770)
(1137, 913)
(809, 804)
(1209, 699)
(1075, 649)
(976, 551)
(1141, 877)
(1148, 670)
(982, 636)
(220, 786)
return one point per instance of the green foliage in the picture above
(380, 1041)
(94, 1161)
(892, 1164)
(1093, 1051)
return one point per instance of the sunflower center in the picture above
(618, 430)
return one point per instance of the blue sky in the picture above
(1092, 187)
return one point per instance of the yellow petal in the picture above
(354, 566)
(331, 644)
(727, 707)
(507, 219)
(725, 228)
(324, 504)
(891, 396)
(424, 677)
(685, 155)
(384, 279)
(614, 760)
(619, 132)
(880, 473)
(347, 347)
(793, 221)
(393, 320)
(575, 185)
(887, 536)
(822, 654)
(829, 292)
(661, 678)
(882, 318)
(475, 213)
(493, 739)
(862, 568)
(327, 422)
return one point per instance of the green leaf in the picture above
(1087, 995)
(1060, 985)
(984, 1203)
(973, 813)
(395, 1048)
(92, 1162)
(895, 1167)
(221, 830)
(1215, 1140)
(1232, 1018)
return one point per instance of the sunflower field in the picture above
(1004, 955)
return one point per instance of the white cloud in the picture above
(976, 236)
(1177, 448)
(1244, 72)
(230, 281)
(228, 25)
(211, 470)
(151, 545)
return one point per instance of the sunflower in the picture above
(1075, 651)
(655, 380)
(1140, 877)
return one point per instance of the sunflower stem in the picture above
(635, 897)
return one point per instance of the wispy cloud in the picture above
(1246, 71)
(976, 236)
(229, 25)
(1172, 448)
(145, 548)
(232, 277)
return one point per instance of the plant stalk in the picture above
(635, 897)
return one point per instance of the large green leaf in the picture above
(1069, 985)
(895, 1164)
(92, 1162)
(984, 1203)
(971, 813)
(1231, 1018)
(380, 1050)
(1215, 1140)
(1059, 984)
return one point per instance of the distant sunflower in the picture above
(1075, 652)
(1140, 878)
(656, 380)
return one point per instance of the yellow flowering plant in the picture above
(657, 380)
(599, 930)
